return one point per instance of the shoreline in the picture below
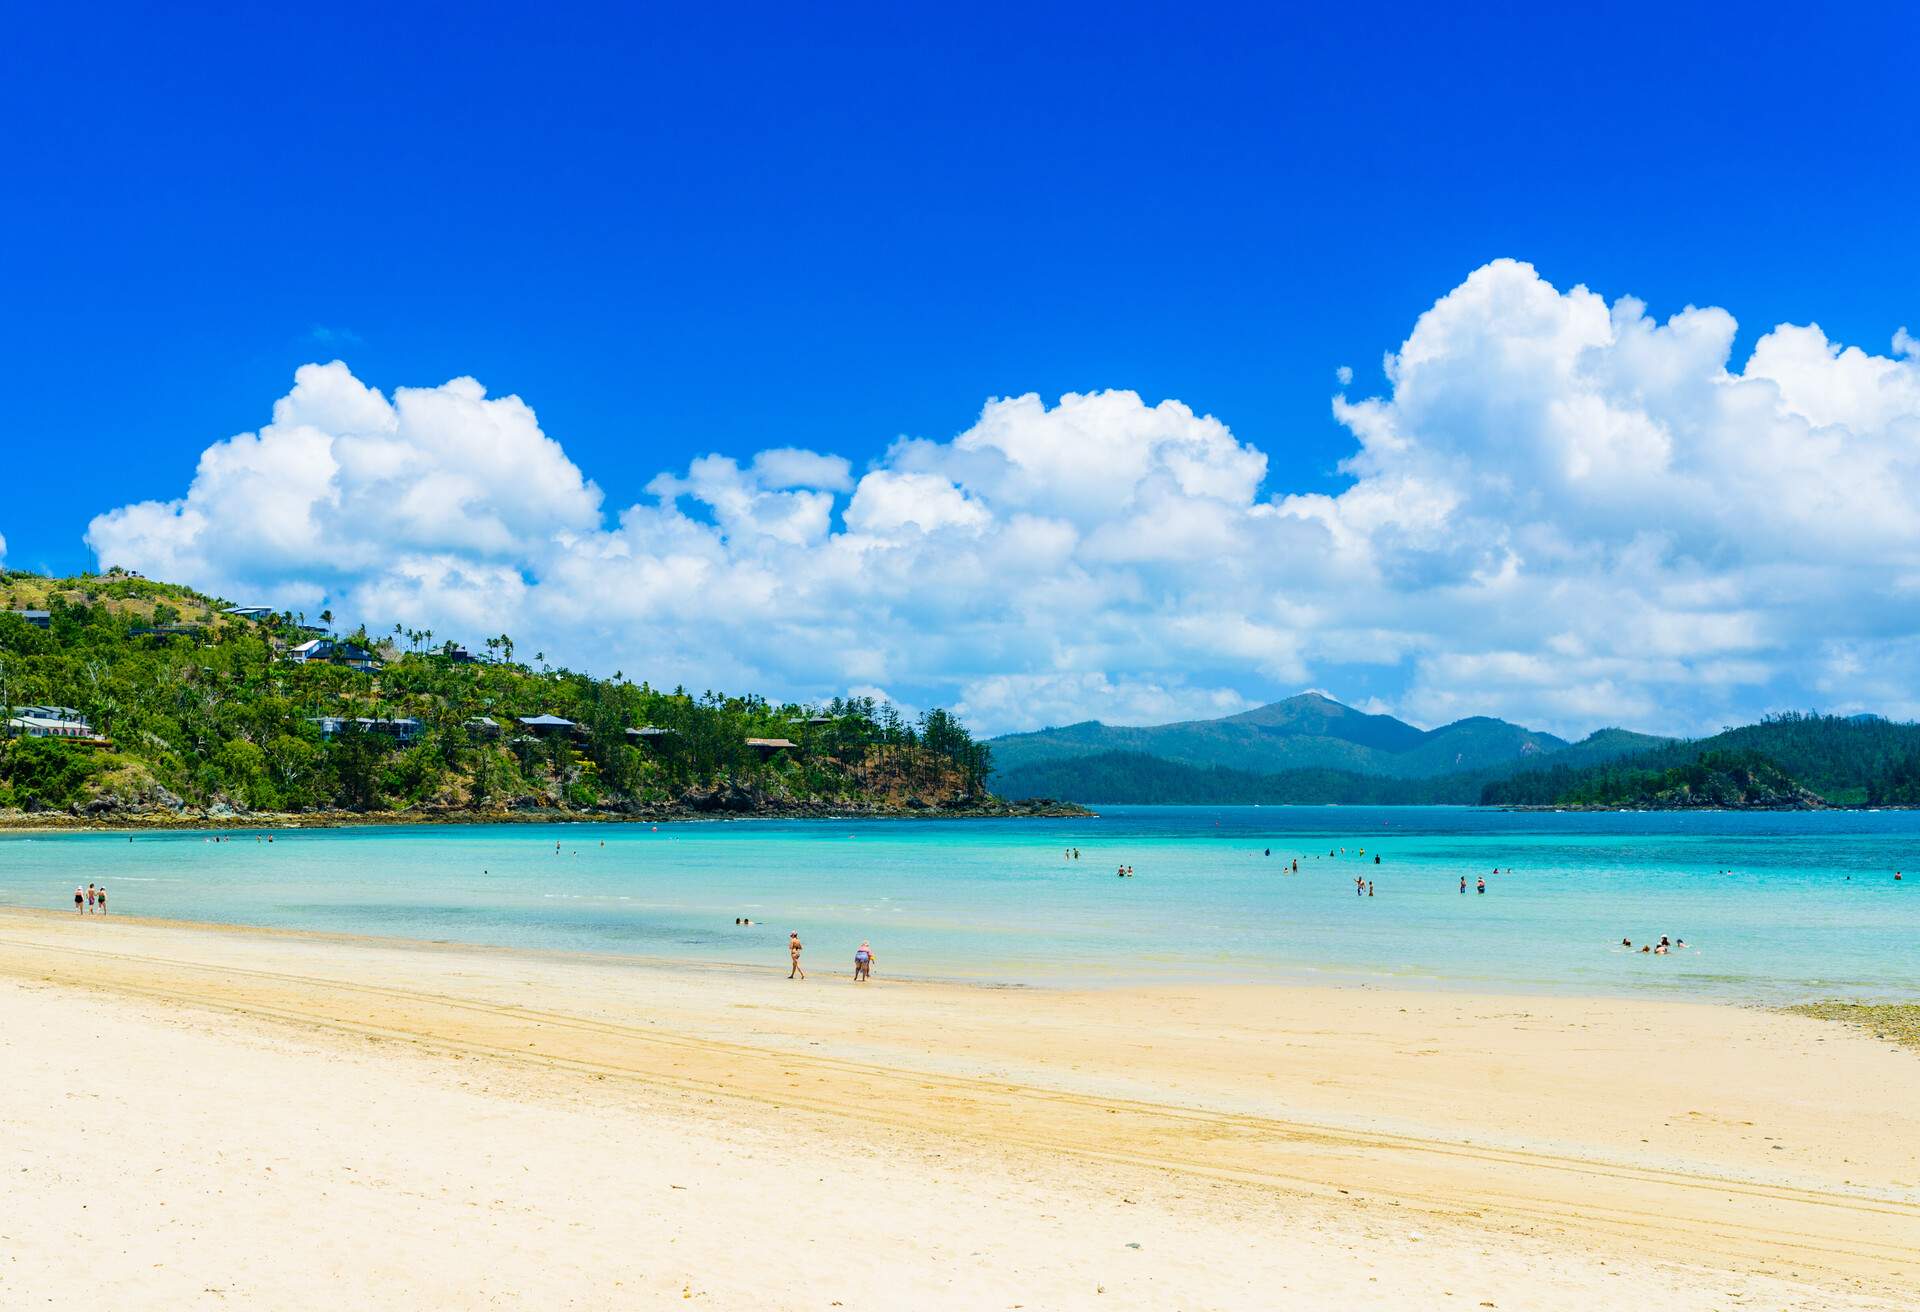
(1258, 1146)
(30, 822)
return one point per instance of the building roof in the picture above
(32, 614)
(648, 731)
(771, 743)
(312, 643)
(249, 612)
(545, 722)
(405, 724)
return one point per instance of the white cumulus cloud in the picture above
(1563, 511)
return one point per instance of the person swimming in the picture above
(1482, 884)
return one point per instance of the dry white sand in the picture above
(195, 1117)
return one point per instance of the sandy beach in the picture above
(199, 1116)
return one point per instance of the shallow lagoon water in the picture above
(1776, 907)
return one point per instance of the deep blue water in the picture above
(1774, 907)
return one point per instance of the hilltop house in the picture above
(768, 748)
(648, 736)
(549, 726)
(483, 726)
(51, 722)
(400, 730)
(250, 612)
(40, 619)
(333, 652)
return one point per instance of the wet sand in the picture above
(202, 1116)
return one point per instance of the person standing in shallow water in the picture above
(793, 951)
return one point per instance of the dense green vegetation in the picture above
(1715, 779)
(1838, 761)
(211, 712)
(1899, 785)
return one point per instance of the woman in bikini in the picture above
(793, 950)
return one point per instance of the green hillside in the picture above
(154, 703)
(1836, 761)
(1137, 778)
(1307, 732)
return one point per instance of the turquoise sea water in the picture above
(1775, 907)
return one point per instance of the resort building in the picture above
(332, 652)
(549, 726)
(40, 619)
(51, 722)
(768, 748)
(250, 612)
(403, 730)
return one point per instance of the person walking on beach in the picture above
(103, 899)
(79, 900)
(863, 962)
(793, 950)
(90, 897)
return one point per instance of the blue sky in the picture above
(675, 234)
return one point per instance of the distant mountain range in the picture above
(1311, 749)
(1309, 744)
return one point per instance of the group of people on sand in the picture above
(1660, 949)
(90, 899)
(862, 959)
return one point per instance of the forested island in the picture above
(1318, 752)
(1794, 761)
(133, 701)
